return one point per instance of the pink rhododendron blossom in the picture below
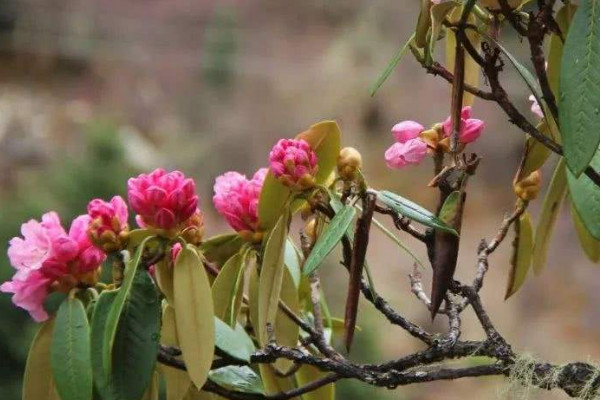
(236, 199)
(46, 254)
(162, 200)
(407, 130)
(535, 107)
(410, 152)
(470, 128)
(108, 221)
(294, 163)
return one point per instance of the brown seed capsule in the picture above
(529, 187)
(348, 163)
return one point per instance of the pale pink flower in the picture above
(236, 199)
(535, 107)
(411, 152)
(46, 254)
(162, 200)
(108, 220)
(294, 163)
(407, 130)
(470, 128)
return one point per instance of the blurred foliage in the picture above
(66, 185)
(220, 45)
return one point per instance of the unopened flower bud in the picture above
(400, 155)
(529, 187)
(294, 163)
(348, 163)
(108, 223)
(194, 228)
(406, 130)
(310, 229)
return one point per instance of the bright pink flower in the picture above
(108, 222)
(407, 130)
(162, 200)
(400, 155)
(236, 198)
(470, 128)
(535, 107)
(46, 254)
(294, 163)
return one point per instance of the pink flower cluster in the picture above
(46, 255)
(470, 128)
(294, 163)
(162, 200)
(413, 141)
(409, 149)
(108, 222)
(236, 199)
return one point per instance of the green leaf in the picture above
(307, 374)
(292, 261)
(328, 239)
(413, 211)
(101, 312)
(438, 15)
(37, 380)
(218, 249)
(586, 198)
(236, 343)
(521, 261)
(535, 154)
(271, 277)
(137, 340)
(112, 321)
(70, 352)
(241, 379)
(227, 289)
(177, 382)
(391, 66)
(553, 200)
(579, 110)
(450, 208)
(286, 331)
(163, 273)
(423, 24)
(194, 314)
(590, 245)
(563, 19)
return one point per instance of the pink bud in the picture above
(162, 200)
(535, 107)
(108, 220)
(470, 128)
(294, 163)
(236, 198)
(407, 130)
(410, 152)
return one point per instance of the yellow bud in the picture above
(348, 163)
(529, 187)
(310, 228)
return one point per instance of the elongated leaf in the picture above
(194, 314)
(177, 382)
(553, 200)
(227, 289)
(137, 340)
(579, 109)
(164, 277)
(423, 24)
(413, 211)
(391, 66)
(241, 379)
(101, 312)
(329, 238)
(271, 277)
(37, 381)
(219, 249)
(253, 296)
(70, 352)
(535, 155)
(563, 19)
(272, 383)
(438, 15)
(112, 321)
(292, 261)
(307, 374)
(521, 261)
(590, 245)
(287, 331)
(586, 198)
(235, 342)
(153, 391)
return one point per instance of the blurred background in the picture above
(92, 92)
